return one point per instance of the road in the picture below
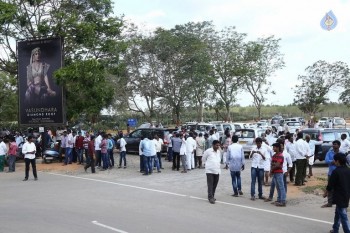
(124, 201)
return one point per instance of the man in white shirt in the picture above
(69, 149)
(310, 160)
(3, 151)
(235, 161)
(98, 141)
(212, 159)
(28, 151)
(159, 143)
(19, 141)
(290, 146)
(344, 144)
(212, 137)
(302, 155)
(258, 155)
(191, 146)
(122, 144)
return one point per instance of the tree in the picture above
(8, 98)
(262, 58)
(227, 52)
(89, 30)
(320, 79)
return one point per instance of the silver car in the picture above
(246, 137)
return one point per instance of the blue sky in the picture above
(296, 22)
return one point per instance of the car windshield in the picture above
(323, 119)
(293, 124)
(219, 127)
(328, 136)
(245, 133)
(339, 121)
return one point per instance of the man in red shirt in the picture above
(90, 158)
(79, 147)
(277, 173)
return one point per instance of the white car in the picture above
(293, 126)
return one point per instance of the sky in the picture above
(295, 22)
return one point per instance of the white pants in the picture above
(190, 160)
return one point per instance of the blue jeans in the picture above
(278, 179)
(122, 157)
(69, 156)
(80, 155)
(170, 154)
(156, 162)
(147, 163)
(159, 156)
(273, 185)
(111, 157)
(257, 174)
(341, 217)
(236, 181)
(105, 160)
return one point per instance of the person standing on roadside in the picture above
(3, 151)
(91, 157)
(312, 145)
(183, 154)
(110, 148)
(212, 158)
(29, 150)
(98, 141)
(13, 151)
(277, 173)
(258, 155)
(344, 144)
(302, 154)
(190, 148)
(122, 149)
(86, 145)
(19, 142)
(339, 185)
(329, 159)
(104, 152)
(235, 161)
(290, 147)
(147, 146)
(200, 149)
(159, 143)
(79, 147)
(63, 146)
(69, 149)
(176, 142)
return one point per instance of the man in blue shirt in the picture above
(330, 161)
(235, 161)
(148, 150)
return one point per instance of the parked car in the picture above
(221, 127)
(239, 125)
(324, 139)
(338, 122)
(246, 137)
(293, 126)
(134, 138)
(323, 122)
(199, 127)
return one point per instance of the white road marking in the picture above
(193, 197)
(125, 185)
(108, 227)
(268, 211)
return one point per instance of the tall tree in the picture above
(8, 98)
(262, 58)
(88, 28)
(320, 79)
(227, 53)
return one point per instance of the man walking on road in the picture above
(339, 184)
(29, 150)
(212, 158)
(235, 161)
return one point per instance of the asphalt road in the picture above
(165, 202)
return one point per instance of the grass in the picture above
(311, 189)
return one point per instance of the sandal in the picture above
(267, 200)
(326, 205)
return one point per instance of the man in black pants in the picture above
(29, 150)
(212, 159)
(176, 142)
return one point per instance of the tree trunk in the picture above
(228, 116)
(200, 112)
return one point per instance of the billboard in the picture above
(41, 100)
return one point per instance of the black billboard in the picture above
(41, 100)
